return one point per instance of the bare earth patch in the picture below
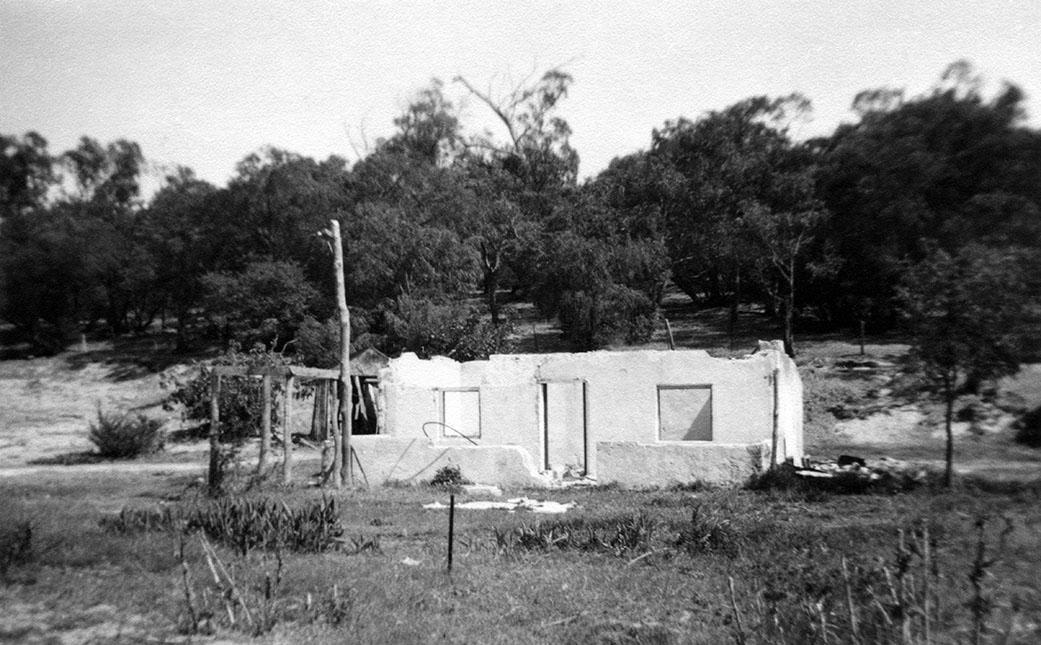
(48, 405)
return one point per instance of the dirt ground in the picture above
(852, 400)
(49, 404)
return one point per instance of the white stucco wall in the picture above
(619, 401)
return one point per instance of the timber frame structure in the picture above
(288, 375)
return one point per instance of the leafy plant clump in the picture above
(16, 547)
(710, 531)
(619, 535)
(123, 436)
(245, 524)
(240, 397)
(450, 476)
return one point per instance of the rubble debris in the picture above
(511, 505)
(850, 460)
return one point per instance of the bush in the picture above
(449, 477)
(240, 398)
(264, 303)
(122, 436)
(429, 328)
(601, 291)
(16, 546)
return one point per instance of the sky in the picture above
(203, 84)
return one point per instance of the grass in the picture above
(684, 565)
(651, 566)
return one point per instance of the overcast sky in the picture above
(203, 84)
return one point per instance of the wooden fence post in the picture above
(265, 424)
(287, 437)
(343, 457)
(215, 475)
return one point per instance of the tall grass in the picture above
(243, 524)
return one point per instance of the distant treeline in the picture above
(729, 206)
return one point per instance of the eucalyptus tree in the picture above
(944, 169)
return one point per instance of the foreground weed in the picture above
(619, 535)
(16, 547)
(246, 524)
(710, 531)
(245, 597)
(904, 599)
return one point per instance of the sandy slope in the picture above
(47, 405)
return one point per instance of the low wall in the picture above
(388, 459)
(641, 465)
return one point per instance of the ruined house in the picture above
(638, 418)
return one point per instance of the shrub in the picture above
(122, 436)
(16, 546)
(430, 328)
(449, 476)
(240, 398)
(264, 303)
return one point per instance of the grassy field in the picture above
(666, 566)
(621, 567)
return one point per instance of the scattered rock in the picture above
(482, 489)
(850, 460)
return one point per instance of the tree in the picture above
(601, 270)
(971, 315)
(537, 151)
(184, 222)
(108, 214)
(783, 229)
(946, 168)
(429, 129)
(265, 303)
(519, 179)
(26, 173)
(730, 171)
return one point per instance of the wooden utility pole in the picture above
(343, 465)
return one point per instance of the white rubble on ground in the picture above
(511, 505)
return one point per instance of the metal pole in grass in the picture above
(451, 528)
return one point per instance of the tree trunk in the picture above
(735, 303)
(789, 307)
(948, 473)
(491, 288)
(182, 330)
(346, 471)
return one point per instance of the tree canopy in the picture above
(445, 228)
